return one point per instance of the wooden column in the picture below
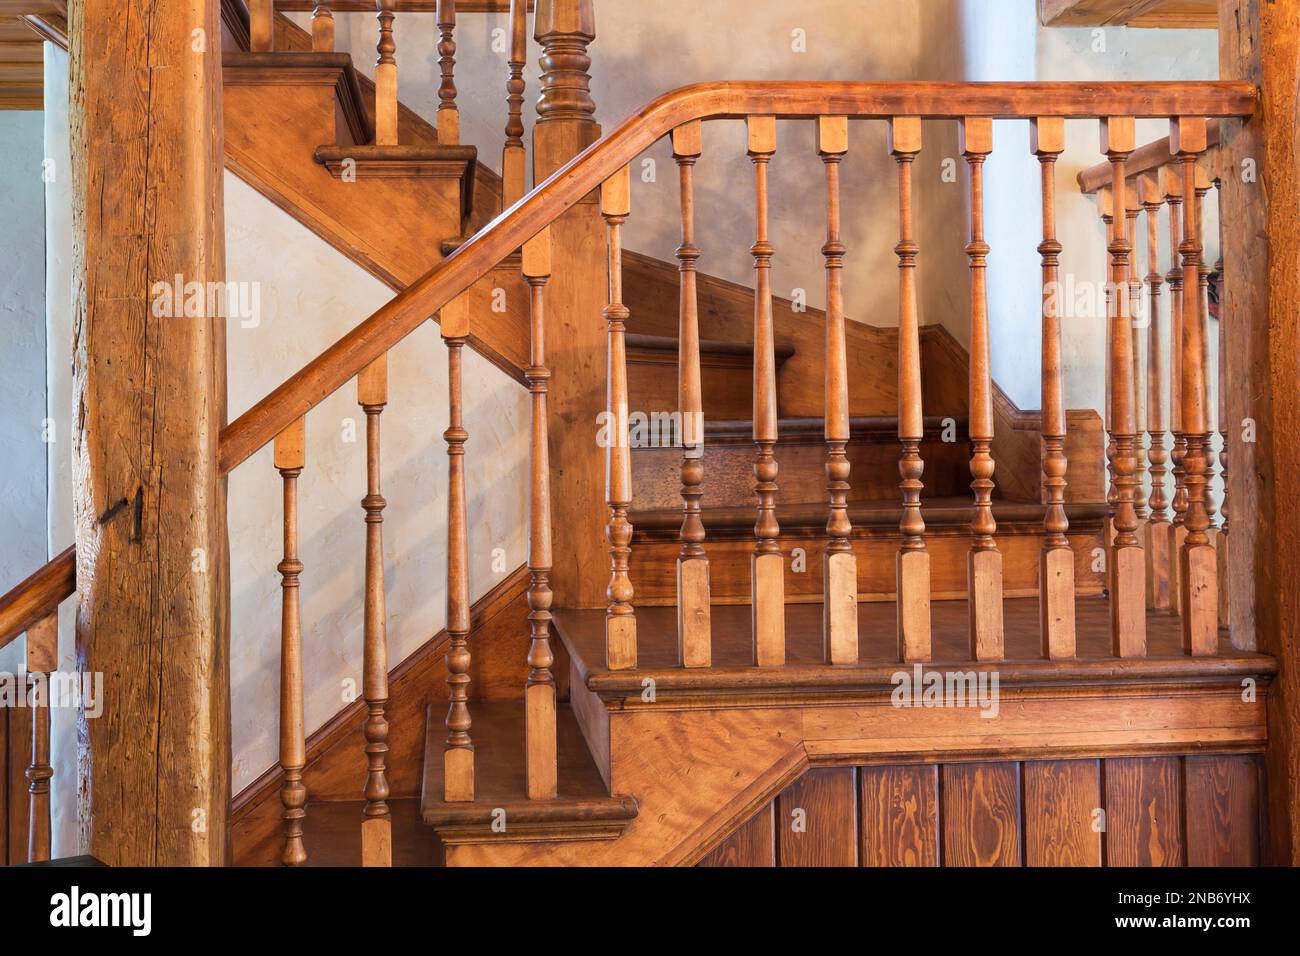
(322, 27)
(1158, 527)
(767, 566)
(448, 118)
(1171, 185)
(149, 400)
(290, 457)
(912, 564)
(984, 562)
(1128, 594)
(512, 155)
(539, 689)
(1056, 562)
(694, 615)
(575, 298)
(1260, 42)
(385, 77)
(376, 827)
(42, 658)
(1200, 600)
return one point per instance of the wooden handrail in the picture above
(1145, 159)
(731, 100)
(29, 601)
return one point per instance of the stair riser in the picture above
(654, 565)
(729, 472)
(726, 383)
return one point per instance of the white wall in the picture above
(310, 295)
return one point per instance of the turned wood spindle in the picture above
(376, 827)
(1137, 328)
(290, 457)
(1172, 185)
(694, 621)
(539, 689)
(767, 566)
(620, 618)
(322, 27)
(1221, 542)
(1105, 209)
(385, 77)
(984, 561)
(912, 563)
(1157, 538)
(261, 26)
(1056, 562)
(1203, 186)
(513, 155)
(458, 755)
(42, 660)
(448, 118)
(1200, 602)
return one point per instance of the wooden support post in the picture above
(386, 77)
(1172, 186)
(512, 155)
(448, 118)
(42, 659)
(322, 27)
(149, 400)
(1158, 527)
(261, 26)
(290, 457)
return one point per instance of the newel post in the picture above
(149, 399)
(576, 297)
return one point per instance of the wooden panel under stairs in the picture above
(726, 375)
(875, 538)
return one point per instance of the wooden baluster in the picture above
(984, 563)
(1172, 186)
(1221, 551)
(1105, 207)
(1128, 597)
(620, 618)
(912, 565)
(1133, 285)
(290, 457)
(767, 566)
(261, 26)
(513, 156)
(386, 77)
(42, 660)
(1187, 140)
(694, 617)
(448, 119)
(376, 827)
(1056, 563)
(322, 27)
(1203, 185)
(1157, 539)
(458, 754)
(839, 565)
(539, 689)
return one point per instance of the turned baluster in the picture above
(1172, 186)
(1157, 538)
(1128, 573)
(694, 625)
(42, 660)
(1187, 140)
(767, 571)
(290, 457)
(839, 565)
(1105, 207)
(385, 77)
(984, 561)
(261, 26)
(912, 564)
(1203, 185)
(1133, 285)
(322, 27)
(376, 827)
(512, 156)
(539, 689)
(1221, 542)
(1056, 562)
(458, 755)
(448, 119)
(620, 618)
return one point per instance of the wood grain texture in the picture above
(1222, 810)
(1144, 811)
(981, 814)
(900, 815)
(753, 843)
(816, 819)
(1063, 812)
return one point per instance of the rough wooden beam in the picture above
(149, 397)
(1176, 14)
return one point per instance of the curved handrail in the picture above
(732, 100)
(32, 599)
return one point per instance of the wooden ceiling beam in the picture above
(1181, 14)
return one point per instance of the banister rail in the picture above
(731, 100)
(29, 601)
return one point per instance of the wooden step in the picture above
(873, 452)
(726, 375)
(583, 810)
(875, 539)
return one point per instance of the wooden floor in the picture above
(584, 634)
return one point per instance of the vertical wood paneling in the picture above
(4, 784)
(1222, 807)
(18, 749)
(1061, 800)
(981, 814)
(828, 834)
(753, 843)
(900, 816)
(1143, 812)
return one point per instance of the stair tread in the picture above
(583, 633)
(499, 773)
(860, 426)
(670, 344)
(332, 833)
(866, 514)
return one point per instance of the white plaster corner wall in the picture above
(310, 294)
